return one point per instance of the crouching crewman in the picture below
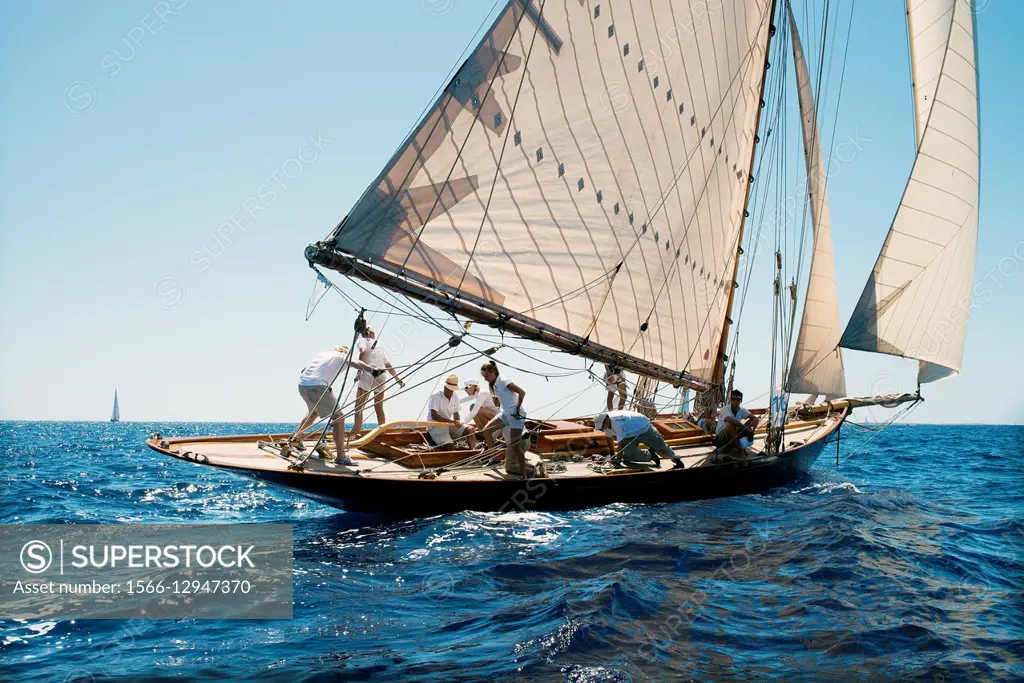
(626, 431)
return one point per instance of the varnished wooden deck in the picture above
(242, 453)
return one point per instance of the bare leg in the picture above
(304, 425)
(360, 402)
(338, 428)
(609, 402)
(622, 397)
(480, 421)
(515, 455)
(378, 405)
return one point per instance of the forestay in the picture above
(586, 168)
(817, 366)
(916, 301)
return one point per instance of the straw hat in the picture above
(452, 382)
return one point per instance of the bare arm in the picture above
(360, 365)
(611, 444)
(391, 370)
(514, 388)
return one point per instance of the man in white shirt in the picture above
(372, 354)
(735, 428)
(443, 406)
(480, 408)
(626, 431)
(315, 389)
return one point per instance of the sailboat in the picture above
(115, 415)
(584, 181)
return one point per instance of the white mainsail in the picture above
(817, 366)
(587, 168)
(115, 416)
(916, 302)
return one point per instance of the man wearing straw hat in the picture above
(443, 406)
(315, 389)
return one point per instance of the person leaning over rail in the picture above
(735, 428)
(626, 431)
(481, 408)
(511, 419)
(315, 389)
(443, 406)
(371, 353)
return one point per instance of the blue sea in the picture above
(904, 563)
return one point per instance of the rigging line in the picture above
(813, 142)
(760, 202)
(434, 100)
(504, 142)
(888, 423)
(672, 269)
(537, 360)
(529, 372)
(575, 397)
(469, 133)
(423, 361)
(409, 303)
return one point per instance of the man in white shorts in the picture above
(443, 406)
(371, 353)
(315, 389)
(735, 428)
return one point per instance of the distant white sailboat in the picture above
(115, 416)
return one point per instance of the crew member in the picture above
(479, 407)
(626, 431)
(615, 381)
(371, 353)
(443, 406)
(511, 418)
(735, 428)
(315, 389)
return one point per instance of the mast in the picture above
(718, 377)
(578, 182)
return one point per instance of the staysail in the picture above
(582, 179)
(115, 416)
(916, 302)
(817, 366)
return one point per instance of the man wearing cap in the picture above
(481, 407)
(443, 406)
(626, 431)
(315, 389)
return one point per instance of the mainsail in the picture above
(583, 176)
(916, 302)
(115, 416)
(817, 366)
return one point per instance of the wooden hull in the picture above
(412, 496)
(419, 497)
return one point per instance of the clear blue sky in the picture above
(127, 139)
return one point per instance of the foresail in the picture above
(916, 301)
(586, 169)
(817, 366)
